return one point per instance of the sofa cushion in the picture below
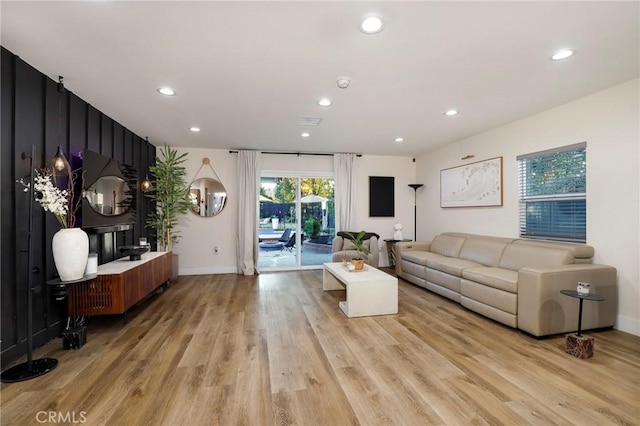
(413, 268)
(348, 244)
(419, 257)
(505, 240)
(580, 251)
(446, 245)
(502, 279)
(443, 279)
(490, 312)
(451, 265)
(516, 256)
(482, 250)
(502, 300)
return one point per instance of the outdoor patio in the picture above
(312, 254)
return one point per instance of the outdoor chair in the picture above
(285, 236)
(291, 243)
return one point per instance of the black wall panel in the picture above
(94, 126)
(35, 112)
(77, 122)
(106, 136)
(8, 294)
(29, 130)
(118, 142)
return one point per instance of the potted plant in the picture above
(171, 194)
(358, 242)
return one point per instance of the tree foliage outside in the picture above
(171, 195)
(312, 227)
(557, 173)
(317, 219)
(285, 188)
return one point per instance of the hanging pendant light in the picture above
(59, 160)
(145, 185)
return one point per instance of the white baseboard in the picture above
(208, 270)
(628, 325)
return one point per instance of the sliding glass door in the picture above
(297, 221)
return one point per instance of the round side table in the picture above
(579, 345)
(73, 336)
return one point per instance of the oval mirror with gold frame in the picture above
(208, 194)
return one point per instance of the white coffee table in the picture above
(370, 292)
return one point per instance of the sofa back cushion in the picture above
(486, 251)
(582, 253)
(446, 245)
(517, 256)
(347, 244)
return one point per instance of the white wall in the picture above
(609, 122)
(200, 236)
(404, 171)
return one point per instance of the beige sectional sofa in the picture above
(513, 281)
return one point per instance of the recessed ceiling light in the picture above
(371, 25)
(398, 140)
(305, 134)
(451, 112)
(194, 129)
(562, 54)
(167, 91)
(324, 102)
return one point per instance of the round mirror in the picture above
(109, 196)
(208, 197)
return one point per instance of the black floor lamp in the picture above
(33, 367)
(415, 187)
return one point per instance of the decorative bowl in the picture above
(134, 252)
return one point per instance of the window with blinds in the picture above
(553, 194)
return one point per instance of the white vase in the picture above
(70, 248)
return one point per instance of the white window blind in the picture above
(553, 194)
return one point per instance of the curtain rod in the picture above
(233, 151)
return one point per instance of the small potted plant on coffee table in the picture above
(358, 242)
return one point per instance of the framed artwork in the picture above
(476, 184)
(381, 196)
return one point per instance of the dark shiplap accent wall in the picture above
(33, 112)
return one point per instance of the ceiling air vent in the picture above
(309, 121)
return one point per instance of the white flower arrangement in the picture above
(51, 198)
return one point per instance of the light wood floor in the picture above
(275, 349)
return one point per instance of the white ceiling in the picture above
(245, 71)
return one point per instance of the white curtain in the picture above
(248, 184)
(345, 191)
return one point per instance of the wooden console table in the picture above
(121, 284)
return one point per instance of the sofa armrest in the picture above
(403, 247)
(543, 311)
(336, 244)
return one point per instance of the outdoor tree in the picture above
(285, 190)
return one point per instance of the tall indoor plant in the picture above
(170, 192)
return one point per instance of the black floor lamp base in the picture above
(21, 372)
